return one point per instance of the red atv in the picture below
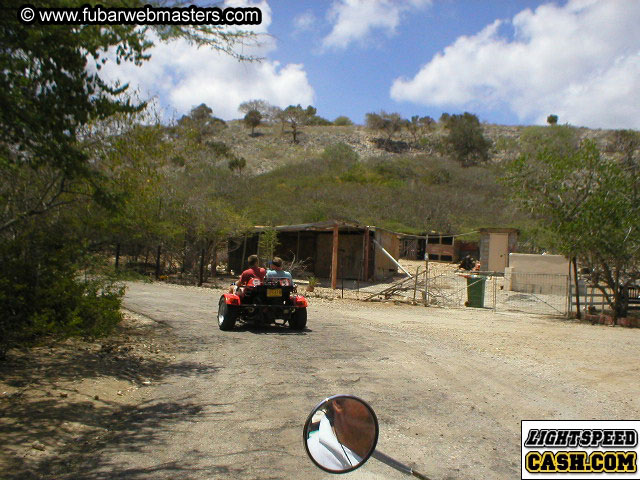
(262, 303)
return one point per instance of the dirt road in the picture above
(449, 387)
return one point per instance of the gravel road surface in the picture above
(450, 388)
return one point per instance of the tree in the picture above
(267, 244)
(269, 112)
(200, 123)
(297, 117)
(413, 126)
(207, 218)
(426, 123)
(252, 119)
(590, 208)
(418, 126)
(50, 91)
(258, 104)
(318, 121)
(552, 119)
(387, 123)
(279, 116)
(272, 114)
(465, 139)
(342, 121)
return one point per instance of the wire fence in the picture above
(518, 292)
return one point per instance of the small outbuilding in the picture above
(441, 248)
(330, 249)
(495, 246)
(438, 247)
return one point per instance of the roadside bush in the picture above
(41, 293)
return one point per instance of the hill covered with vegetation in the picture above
(409, 181)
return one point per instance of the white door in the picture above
(498, 251)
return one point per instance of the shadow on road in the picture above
(271, 330)
(52, 426)
(115, 428)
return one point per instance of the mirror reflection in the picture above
(341, 433)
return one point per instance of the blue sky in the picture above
(510, 62)
(356, 79)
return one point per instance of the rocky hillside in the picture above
(271, 147)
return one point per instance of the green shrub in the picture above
(97, 309)
(399, 169)
(358, 174)
(506, 144)
(339, 155)
(342, 121)
(439, 176)
(432, 144)
(317, 121)
(556, 139)
(42, 294)
(466, 140)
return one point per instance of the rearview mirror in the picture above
(341, 433)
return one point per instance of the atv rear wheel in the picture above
(298, 319)
(227, 315)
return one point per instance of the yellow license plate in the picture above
(274, 292)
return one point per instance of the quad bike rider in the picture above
(263, 297)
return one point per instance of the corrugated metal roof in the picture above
(315, 226)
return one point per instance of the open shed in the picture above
(439, 247)
(331, 249)
(412, 247)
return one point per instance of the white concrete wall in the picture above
(531, 263)
(544, 274)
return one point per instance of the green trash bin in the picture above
(475, 291)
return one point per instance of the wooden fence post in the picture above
(334, 258)
(158, 262)
(366, 254)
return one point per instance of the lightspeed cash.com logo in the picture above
(580, 449)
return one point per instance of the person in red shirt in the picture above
(254, 271)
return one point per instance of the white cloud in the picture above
(183, 76)
(353, 20)
(580, 61)
(304, 22)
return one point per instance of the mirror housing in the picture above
(341, 433)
